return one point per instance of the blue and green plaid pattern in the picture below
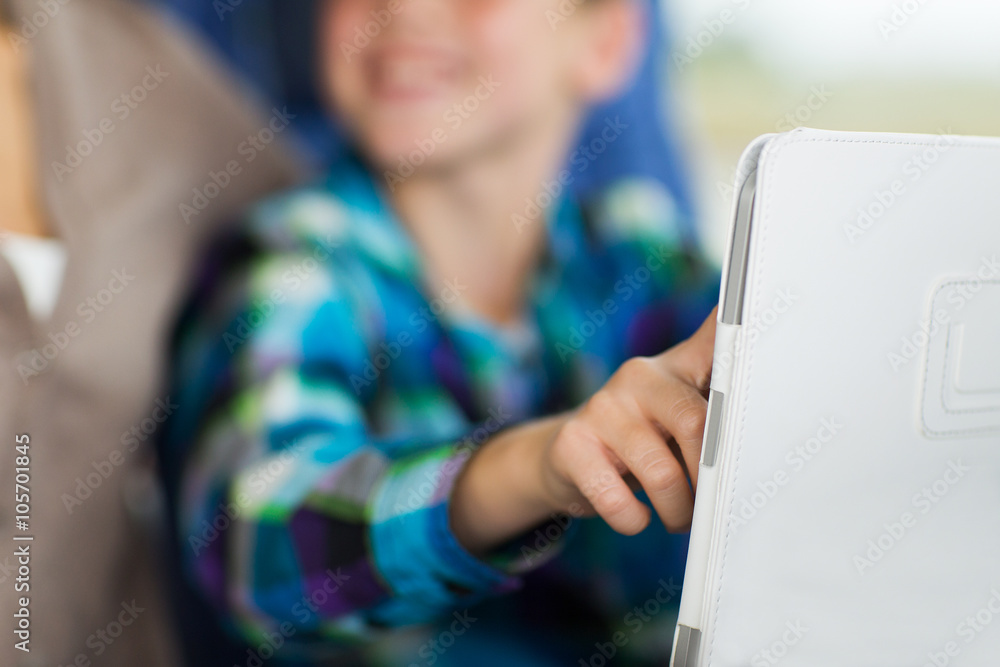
(328, 403)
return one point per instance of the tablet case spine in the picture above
(687, 637)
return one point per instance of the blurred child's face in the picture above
(428, 83)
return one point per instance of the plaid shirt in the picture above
(328, 403)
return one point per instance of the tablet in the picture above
(848, 504)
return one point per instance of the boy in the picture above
(400, 392)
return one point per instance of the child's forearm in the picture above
(501, 494)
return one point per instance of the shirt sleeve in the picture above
(290, 510)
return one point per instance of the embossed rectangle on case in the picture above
(961, 390)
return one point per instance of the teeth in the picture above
(399, 73)
(402, 72)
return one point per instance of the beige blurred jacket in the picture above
(96, 591)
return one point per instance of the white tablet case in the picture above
(848, 508)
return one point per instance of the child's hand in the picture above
(643, 428)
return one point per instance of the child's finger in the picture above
(681, 411)
(664, 398)
(661, 475)
(692, 359)
(602, 485)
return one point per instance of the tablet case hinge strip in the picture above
(724, 359)
(730, 319)
(713, 428)
(722, 381)
(734, 285)
(686, 647)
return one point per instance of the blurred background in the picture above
(929, 66)
(719, 73)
